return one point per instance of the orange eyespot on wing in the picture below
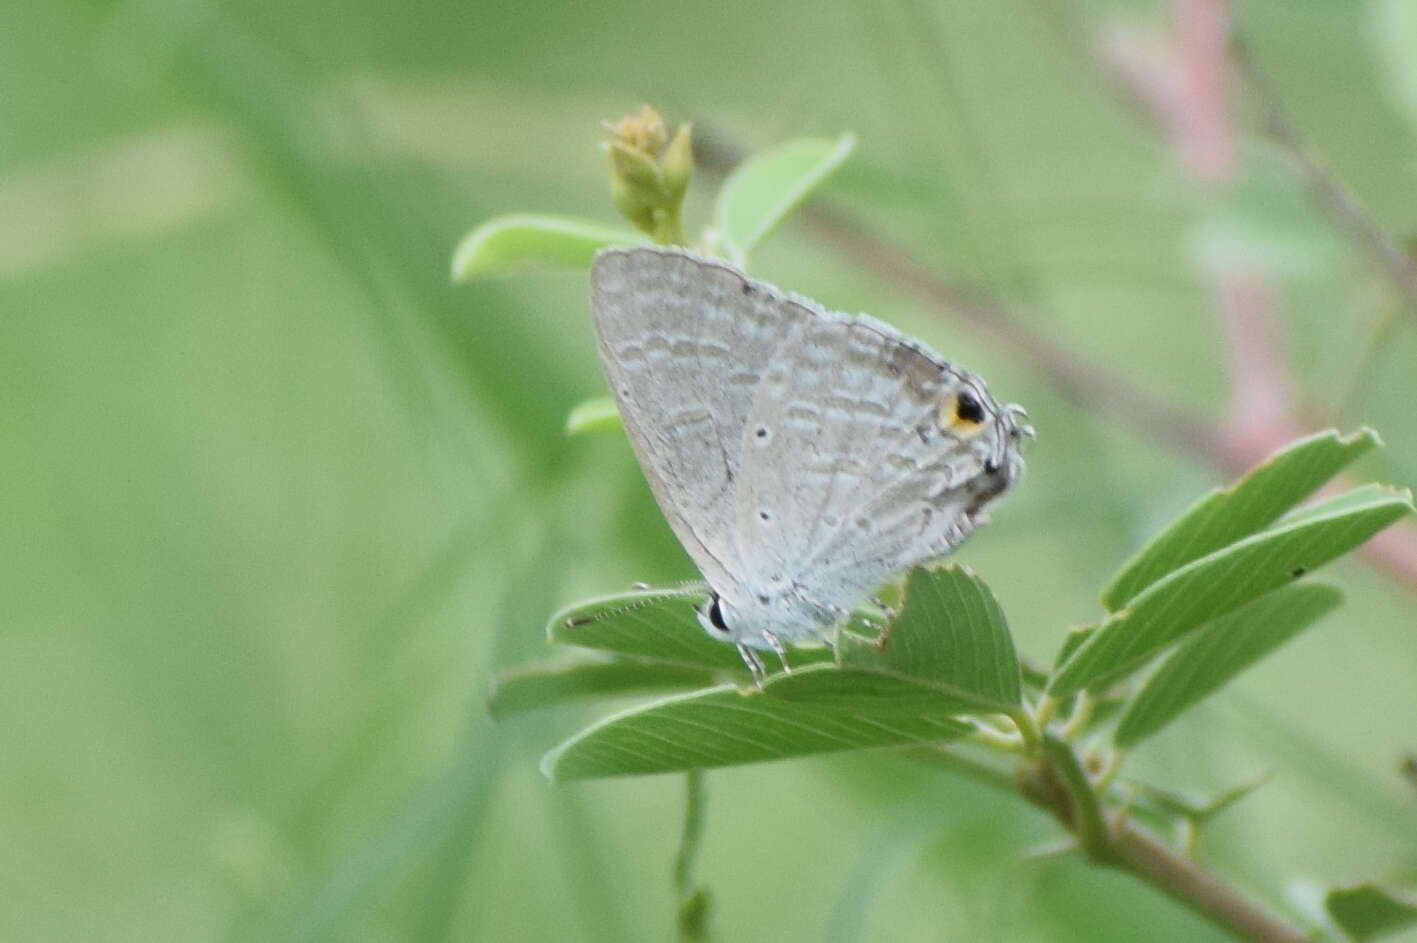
(961, 414)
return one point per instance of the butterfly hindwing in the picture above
(859, 477)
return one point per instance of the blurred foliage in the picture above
(280, 500)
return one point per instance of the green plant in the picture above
(1220, 587)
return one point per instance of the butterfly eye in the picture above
(715, 616)
(962, 414)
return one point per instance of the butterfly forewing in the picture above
(684, 342)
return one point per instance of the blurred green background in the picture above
(278, 500)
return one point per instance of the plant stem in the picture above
(693, 901)
(1084, 812)
(1055, 782)
(1147, 857)
(986, 735)
(694, 803)
(1331, 194)
(1082, 714)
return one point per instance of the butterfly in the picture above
(803, 457)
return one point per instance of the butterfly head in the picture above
(1003, 462)
(715, 615)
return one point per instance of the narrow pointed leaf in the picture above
(1357, 497)
(1234, 512)
(1221, 582)
(1199, 810)
(950, 634)
(1075, 637)
(1220, 651)
(765, 188)
(818, 709)
(1367, 911)
(660, 624)
(510, 245)
(546, 685)
(597, 416)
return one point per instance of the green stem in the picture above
(1047, 707)
(1027, 729)
(692, 835)
(668, 227)
(1057, 783)
(1085, 816)
(1081, 715)
(1111, 762)
(986, 735)
(693, 901)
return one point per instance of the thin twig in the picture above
(1088, 383)
(1055, 782)
(1334, 197)
(693, 899)
(1147, 857)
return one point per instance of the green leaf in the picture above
(596, 416)
(1172, 803)
(544, 685)
(511, 245)
(818, 709)
(1219, 652)
(1222, 581)
(659, 624)
(765, 188)
(1075, 637)
(1357, 497)
(950, 634)
(1367, 911)
(1239, 510)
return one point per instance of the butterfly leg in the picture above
(754, 663)
(776, 645)
(888, 610)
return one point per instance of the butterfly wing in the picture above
(684, 342)
(865, 469)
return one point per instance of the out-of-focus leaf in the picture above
(1219, 652)
(597, 416)
(1367, 911)
(1199, 810)
(660, 624)
(817, 709)
(1231, 513)
(510, 245)
(1225, 580)
(768, 186)
(545, 685)
(1395, 41)
(950, 634)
